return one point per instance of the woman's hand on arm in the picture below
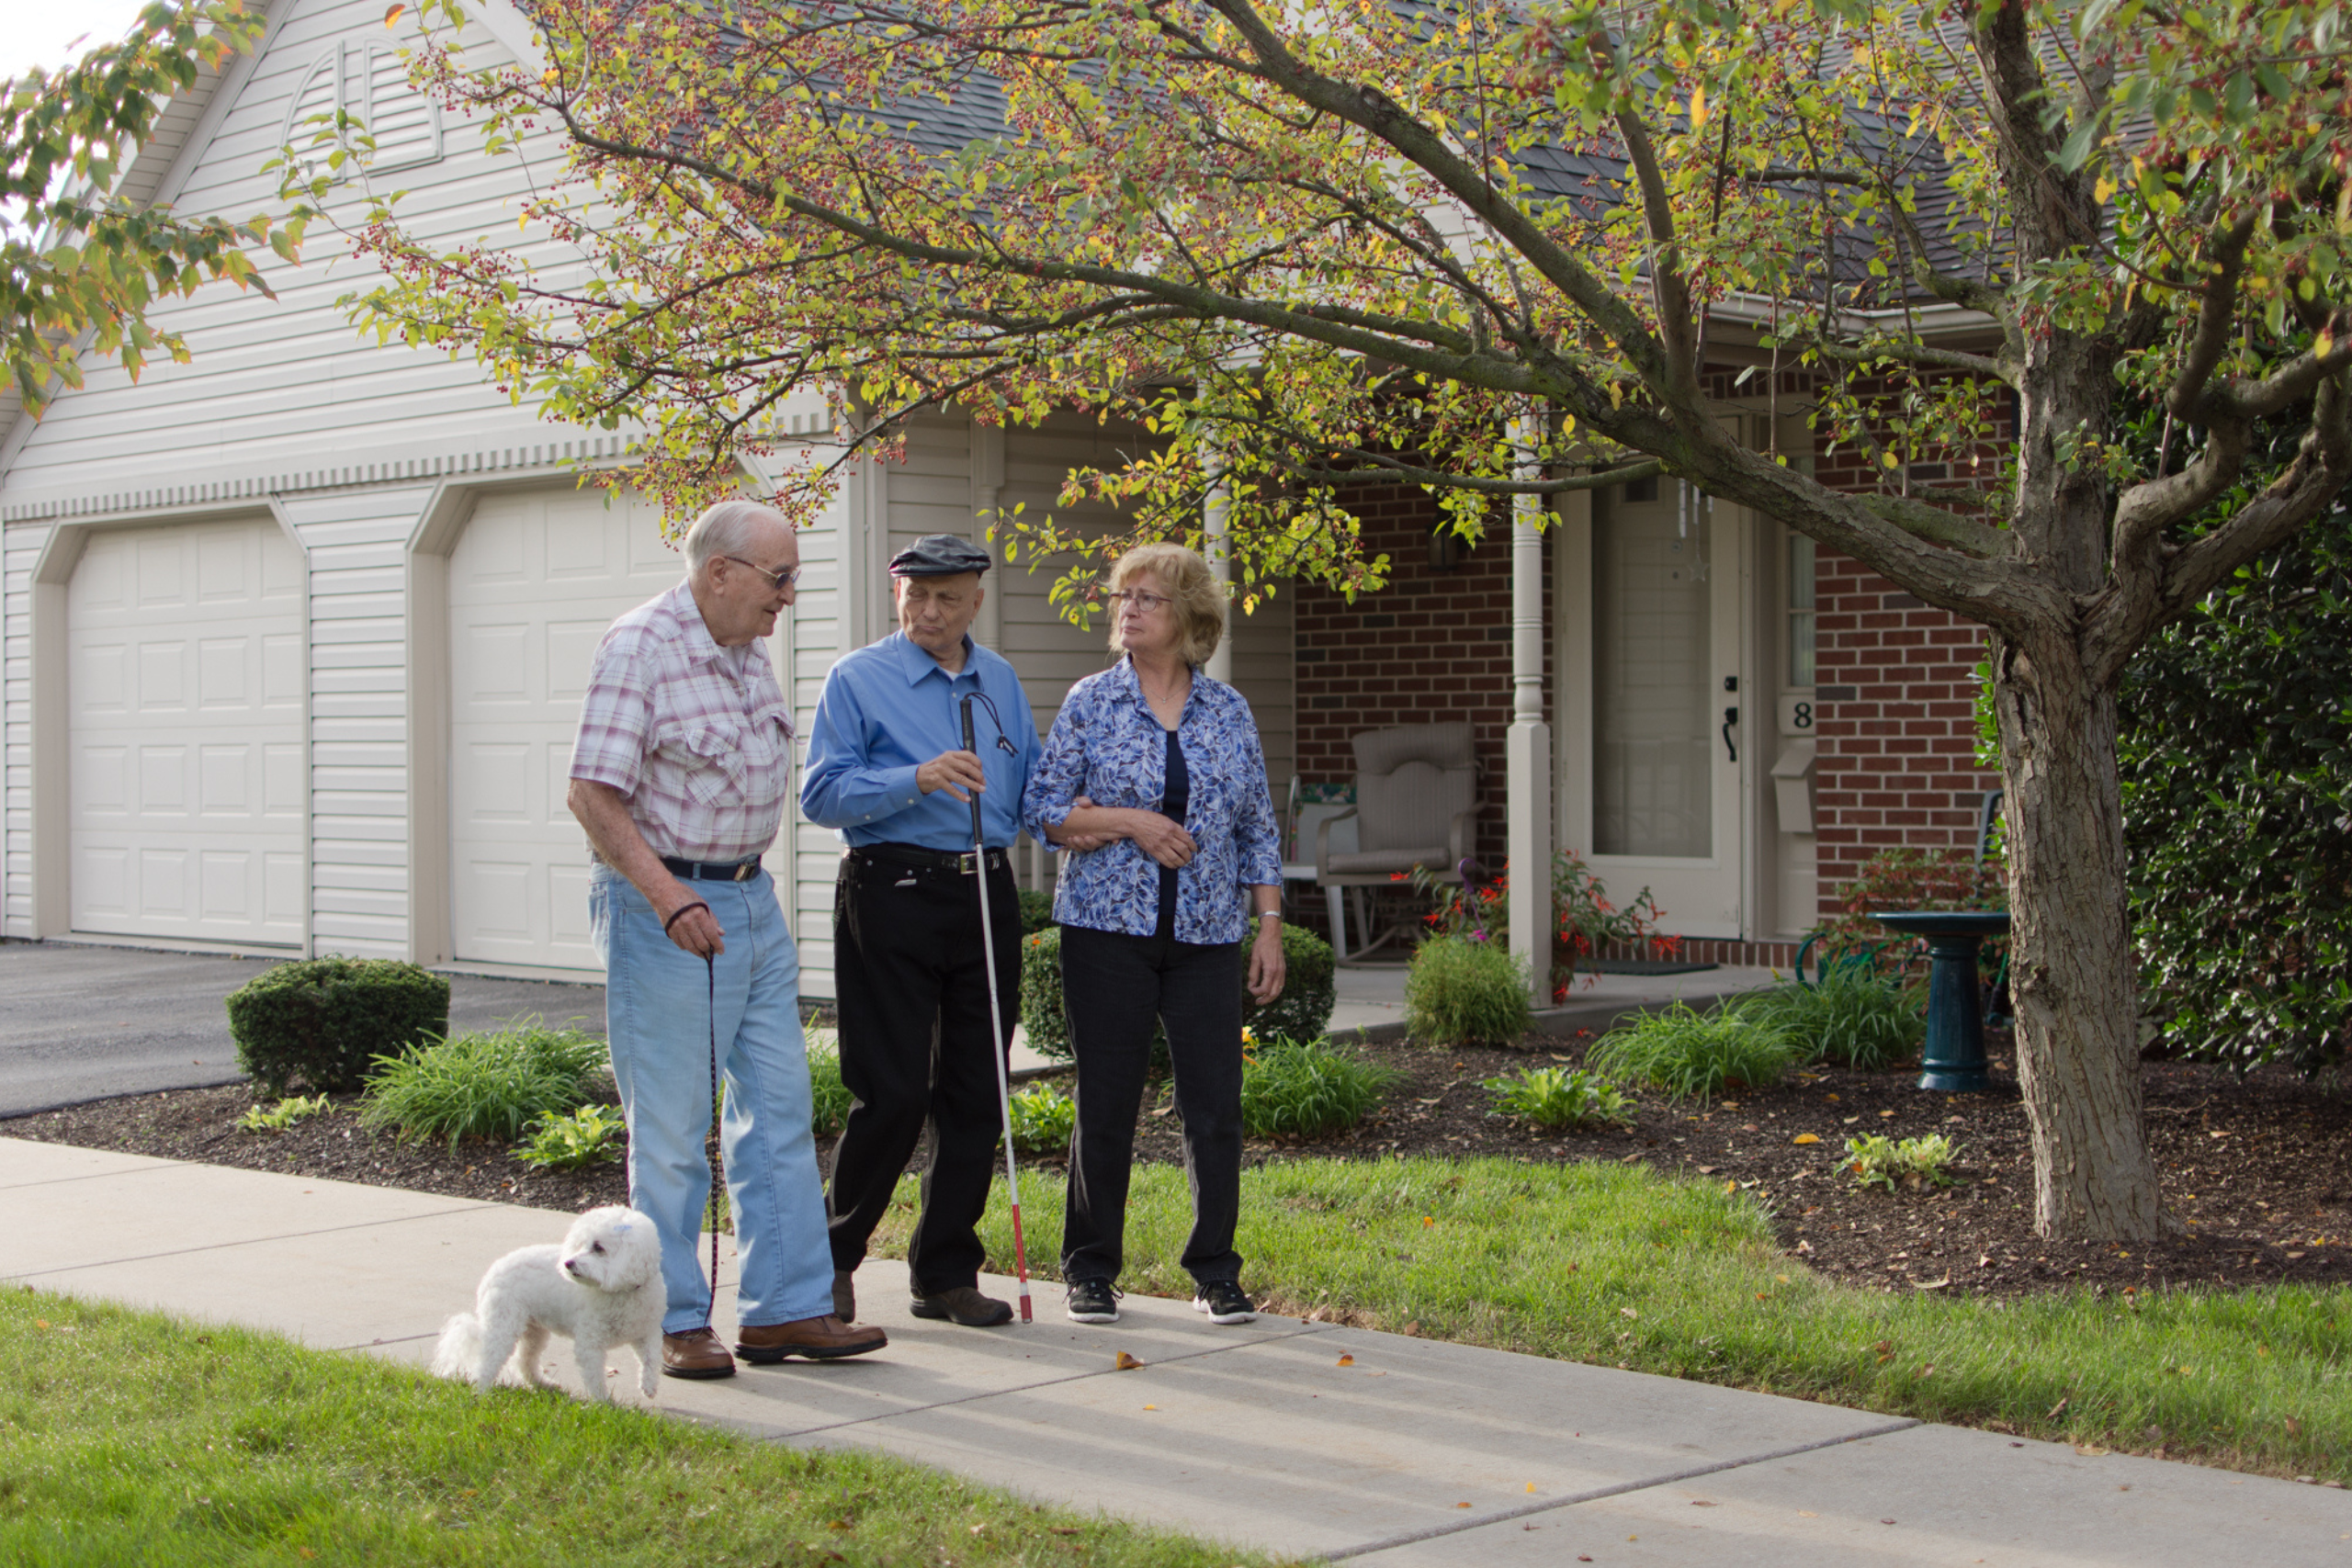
(1267, 972)
(1163, 838)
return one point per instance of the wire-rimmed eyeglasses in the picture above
(1144, 603)
(782, 577)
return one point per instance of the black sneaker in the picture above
(1224, 1301)
(1093, 1301)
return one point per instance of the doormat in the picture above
(1646, 966)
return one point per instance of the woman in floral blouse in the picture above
(1164, 762)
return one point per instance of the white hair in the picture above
(728, 529)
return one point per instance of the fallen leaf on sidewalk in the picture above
(1347, 1360)
(1125, 1363)
(1806, 1138)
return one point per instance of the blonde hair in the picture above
(1199, 597)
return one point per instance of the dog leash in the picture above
(719, 1164)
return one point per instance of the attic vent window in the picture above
(368, 81)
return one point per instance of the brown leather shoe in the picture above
(963, 1306)
(845, 1295)
(823, 1338)
(696, 1353)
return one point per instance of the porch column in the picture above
(1215, 534)
(1528, 753)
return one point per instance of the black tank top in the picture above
(1174, 802)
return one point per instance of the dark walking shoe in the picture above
(825, 1338)
(1224, 1301)
(845, 1295)
(963, 1306)
(696, 1353)
(1093, 1301)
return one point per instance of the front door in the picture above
(1652, 727)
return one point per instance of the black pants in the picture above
(1114, 987)
(915, 1052)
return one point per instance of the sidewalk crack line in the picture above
(1043, 1383)
(1614, 1489)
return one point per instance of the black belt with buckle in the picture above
(713, 871)
(956, 860)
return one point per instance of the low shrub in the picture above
(1853, 1017)
(829, 1098)
(1558, 1097)
(1462, 991)
(1044, 1118)
(1302, 1012)
(323, 1021)
(591, 1135)
(1876, 1161)
(1036, 911)
(1691, 1054)
(491, 1085)
(285, 1114)
(1308, 1089)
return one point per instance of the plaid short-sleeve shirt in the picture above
(695, 736)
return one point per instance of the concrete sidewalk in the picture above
(1415, 1453)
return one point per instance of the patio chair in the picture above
(1417, 805)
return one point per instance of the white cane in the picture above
(996, 1024)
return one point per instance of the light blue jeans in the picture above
(658, 1015)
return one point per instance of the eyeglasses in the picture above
(782, 577)
(1143, 603)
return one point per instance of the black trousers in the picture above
(914, 1000)
(1115, 987)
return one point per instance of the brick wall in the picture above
(1432, 646)
(1895, 698)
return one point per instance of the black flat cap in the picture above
(938, 555)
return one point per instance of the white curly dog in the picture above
(600, 1289)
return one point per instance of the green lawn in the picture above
(1625, 1267)
(128, 1438)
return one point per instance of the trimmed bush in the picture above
(1302, 1012)
(1308, 1089)
(323, 1021)
(1853, 1017)
(1462, 991)
(482, 1086)
(1036, 911)
(1690, 1054)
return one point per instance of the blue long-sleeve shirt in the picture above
(889, 708)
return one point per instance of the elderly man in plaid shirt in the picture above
(680, 775)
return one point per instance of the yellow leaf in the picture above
(1804, 1138)
(1531, 1487)
(1698, 105)
(1151, 1407)
(1347, 1360)
(2102, 189)
(393, 14)
(1125, 1363)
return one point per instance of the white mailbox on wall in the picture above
(1792, 785)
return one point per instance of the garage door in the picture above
(534, 582)
(184, 685)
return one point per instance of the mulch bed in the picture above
(2259, 1169)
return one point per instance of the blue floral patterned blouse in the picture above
(1107, 746)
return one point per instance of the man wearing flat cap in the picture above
(888, 769)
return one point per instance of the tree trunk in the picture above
(2071, 974)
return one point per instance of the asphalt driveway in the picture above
(80, 1024)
